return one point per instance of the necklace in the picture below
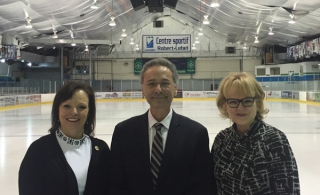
(68, 140)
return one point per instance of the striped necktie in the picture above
(156, 154)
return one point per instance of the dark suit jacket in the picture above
(45, 170)
(186, 164)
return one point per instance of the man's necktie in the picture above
(156, 154)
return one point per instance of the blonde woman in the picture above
(251, 156)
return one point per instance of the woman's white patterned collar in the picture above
(68, 140)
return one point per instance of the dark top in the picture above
(186, 167)
(45, 170)
(260, 162)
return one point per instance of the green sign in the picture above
(191, 66)
(137, 66)
(183, 65)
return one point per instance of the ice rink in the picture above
(20, 126)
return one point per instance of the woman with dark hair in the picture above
(68, 161)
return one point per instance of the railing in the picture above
(33, 86)
(303, 82)
(5, 91)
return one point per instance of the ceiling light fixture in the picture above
(55, 36)
(3, 60)
(200, 32)
(197, 40)
(205, 20)
(73, 43)
(193, 46)
(215, 3)
(270, 32)
(137, 38)
(112, 22)
(28, 25)
(123, 33)
(292, 19)
(86, 48)
(137, 47)
(131, 43)
(256, 39)
(94, 5)
(245, 46)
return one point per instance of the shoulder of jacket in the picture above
(98, 141)
(42, 143)
(131, 120)
(225, 131)
(270, 131)
(188, 121)
(223, 134)
(270, 136)
(44, 139)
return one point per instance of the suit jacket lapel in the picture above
(140, 153)
(94, 153)
(145, 145)
(58, 156)
(145, 138)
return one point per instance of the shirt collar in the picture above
(69, 140)
(165, 122)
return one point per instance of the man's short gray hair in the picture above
(160, 62)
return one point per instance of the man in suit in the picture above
(172, 158)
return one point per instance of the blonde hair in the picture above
(245, 83)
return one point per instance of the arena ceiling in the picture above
(233, 22)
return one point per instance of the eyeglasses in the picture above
(246, 102)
